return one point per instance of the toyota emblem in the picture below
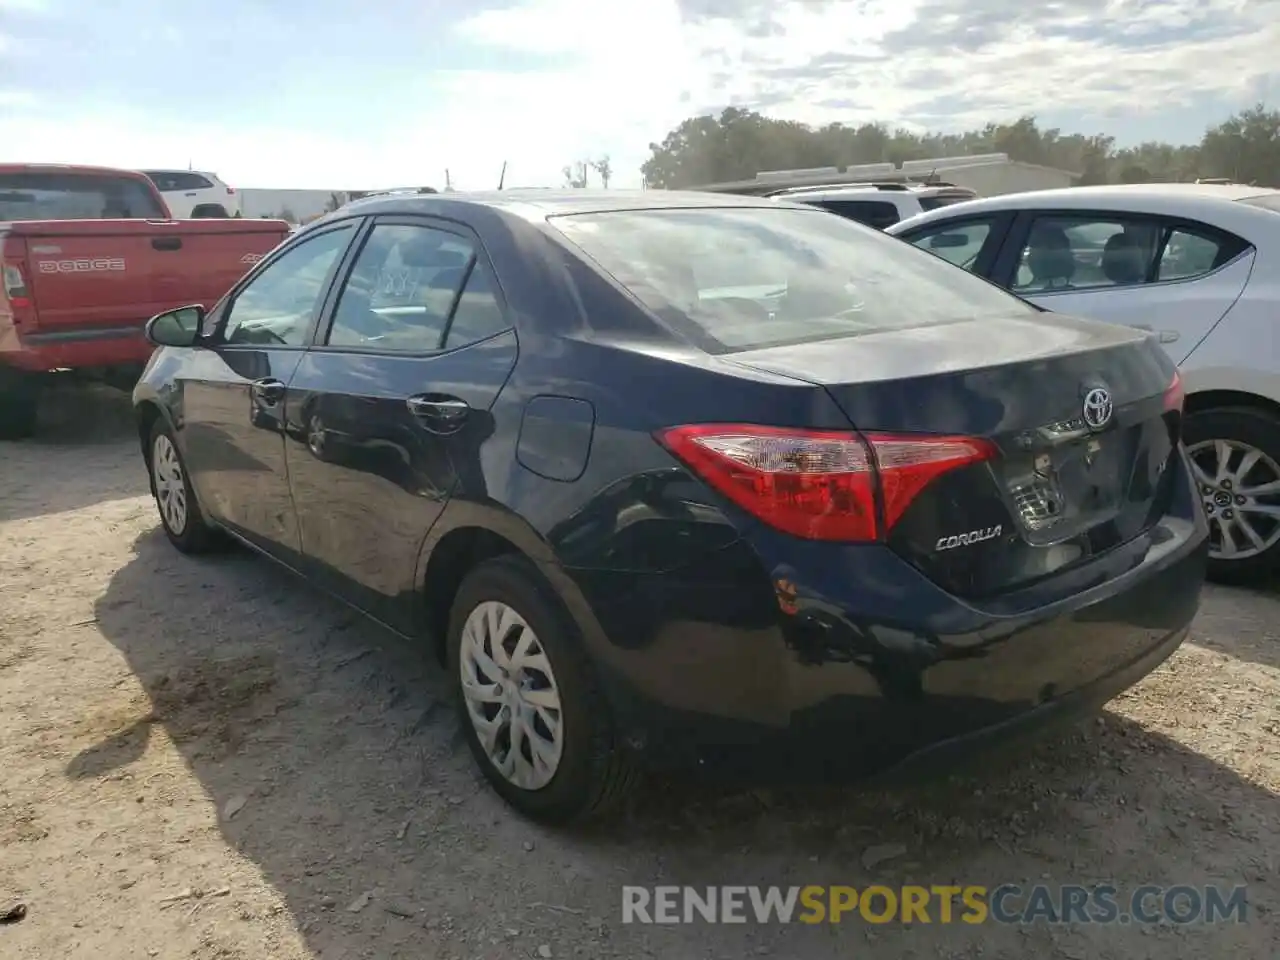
(1097, 408)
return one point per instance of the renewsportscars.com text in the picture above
(969, 904)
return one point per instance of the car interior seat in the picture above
(1049, 258)
(1122, 260)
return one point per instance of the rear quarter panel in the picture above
(1241, 352)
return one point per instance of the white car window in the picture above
(1068, 252)
(957, 243)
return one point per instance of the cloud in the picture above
(986, 59)
(542, 83)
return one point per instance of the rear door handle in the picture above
(270, 391)
(167, 243)
(438, 409)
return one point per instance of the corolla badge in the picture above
(1097, 408)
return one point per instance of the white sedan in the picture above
(1196, 264)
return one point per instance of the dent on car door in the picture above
(234, 391)
(1175, 278)
(389, 410)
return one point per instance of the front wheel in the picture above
(533, 715)
(180, 514)
(1235, 455)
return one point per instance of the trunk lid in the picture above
(1065, 484)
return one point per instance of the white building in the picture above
(993, 174)
(988, 175)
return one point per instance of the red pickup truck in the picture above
(88, 254)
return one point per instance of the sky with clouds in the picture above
(350, 94)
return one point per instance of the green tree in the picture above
(737, 144)
(1246, 147)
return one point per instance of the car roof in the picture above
(540, 204)
(873, 188)
(73, 168)
(1177, 199)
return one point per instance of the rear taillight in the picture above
(819, 484)
(15, 286)
(1174, 394)
(231, 191)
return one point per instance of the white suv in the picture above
(878, 205)
(192, 194)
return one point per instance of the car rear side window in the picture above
(478, 314)
(1095, 251)
(744, 278)
(404, 288)
(874, 213)
(170, 181)
(75, 196)
(944, 200)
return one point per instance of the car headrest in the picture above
(1122, 260)
(1049, 255)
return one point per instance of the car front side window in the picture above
(277, 306)
(956, 243)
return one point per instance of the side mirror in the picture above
(176, 328)
(948, 241)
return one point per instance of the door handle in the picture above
(167, 243)
(270, 391)
(443, 410)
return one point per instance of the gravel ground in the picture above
(203, 758)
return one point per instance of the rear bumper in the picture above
(706, 675)
(80, 348)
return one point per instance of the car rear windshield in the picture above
(75, 196)
(742, 279)
(1267, 201)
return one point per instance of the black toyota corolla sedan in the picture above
(667, 478)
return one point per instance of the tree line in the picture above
(738, 144)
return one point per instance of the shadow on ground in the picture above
(355, 780)
(85, 436)
(1238, 622)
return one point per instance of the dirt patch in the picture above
(204, 759)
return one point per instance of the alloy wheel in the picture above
(1240, 488)
(171, 488)
(511, 695)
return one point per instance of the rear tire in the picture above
(180, 515)
(19, 406)
(505, 600)
(1249, 441)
